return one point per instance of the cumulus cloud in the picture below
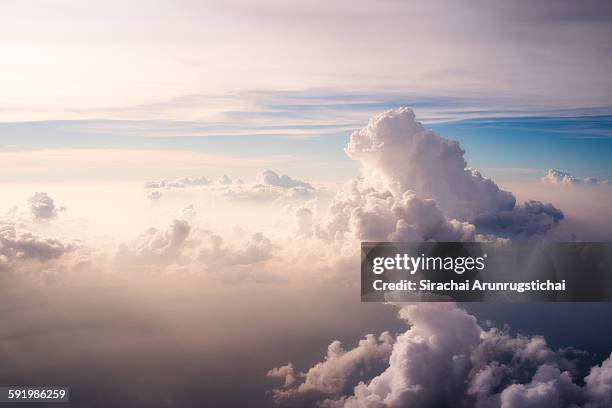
(159, 245)
(256, 248)
(599, 384)
(370, 214)
(265, 193)
(563, 178)
(271, 178)
(154, 195)
(181, 247)
(20, 246)
(286, 373)
(178, 183)
(336, 375)
(268, 186)
(531, 219)
(43, 207)
(224, 180)
(406, 156)
(303, 220)
(446, 359)
(404, 166)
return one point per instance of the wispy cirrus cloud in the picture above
(88, 59)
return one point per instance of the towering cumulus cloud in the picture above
(405, 163)
(416, 185)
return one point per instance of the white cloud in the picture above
(188, 213)
(182, 247)
(154, 195)
(18, 246)
(271, 178)
(337, 374)
(43, 207)
(399, 156)
(549, 388)
(368, 214)
(599, 384)
(178, 183)
(303, 220)
(560, 177)
(224, 180)
(158, 244)
(446, 359)
(406, 156)
(265, 193)
(268, 186)
(286, 373)
(256, 248)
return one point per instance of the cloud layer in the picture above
(268, 186)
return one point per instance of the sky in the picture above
(62, 59)
(505, 148)
(185, 186)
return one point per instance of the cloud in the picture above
(159, 245)
(445, 359)
(268, 186)
(266, 193)
(531, 219)
(224, 180)
(182, 247)
(560, 177)
(368, 214)
(303, 220)
(21, 246)
(399, 156)
(286, 373)
(271, 178)
(43, 207)
(188, 213)
(336, 375)
(178, 183)
(599, 384)
(548, 388)
(154, 195)
(256, 248)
